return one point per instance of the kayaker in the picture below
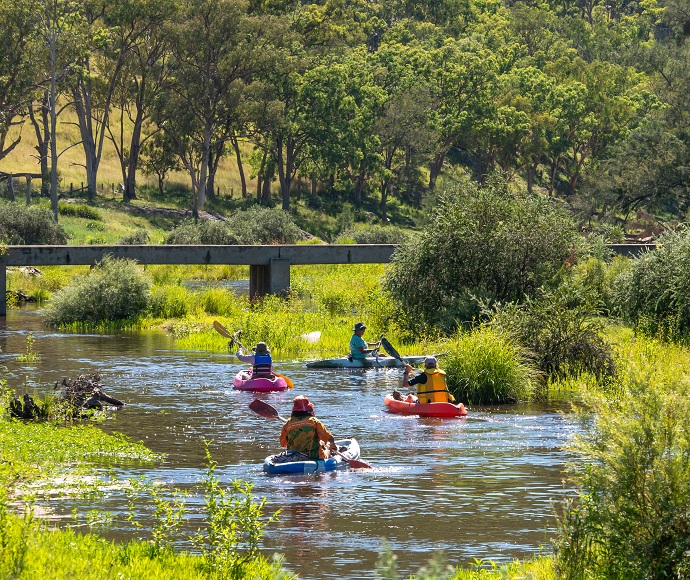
(431, 384)
(305, 434)
(360, 348)
(261, 361)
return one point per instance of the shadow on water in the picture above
(470, 488)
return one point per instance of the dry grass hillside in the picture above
(71, 164)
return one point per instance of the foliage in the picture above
(654, 294)
(137, 238)
(113, 290)
(234, 526)
(633, 474)
(561, 330)
(205, 232)
(372, 235)
(484, 244)
(80, 210)
(22, 225)
(30, 355)
(262, 225)
(482, 367)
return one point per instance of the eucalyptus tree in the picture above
(19, 20)
(137, 32)
(216, 49)
(463, 77)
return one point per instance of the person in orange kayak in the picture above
(305, 434)
(431, 384)
(261, 361)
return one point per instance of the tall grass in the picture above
(483, 367)
(633, 471)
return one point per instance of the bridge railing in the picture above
(269, 266)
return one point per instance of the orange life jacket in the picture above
(435, 390)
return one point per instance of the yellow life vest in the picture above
(435, 389)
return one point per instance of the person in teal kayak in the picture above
(304, 433)
(431, 384)
(261, 361)
(360, 348)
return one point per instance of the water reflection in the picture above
(477, 487)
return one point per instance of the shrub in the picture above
(485, 368)
(630, 519)
(372, 235)
(561, 330)
(138, 238)
(654, 294)
(205, 232)
(80, 210)
(483, 244)
(22, 225)
(114, 290)
(262, 225)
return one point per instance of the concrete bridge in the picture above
(269, 266)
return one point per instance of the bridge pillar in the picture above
(3, 288)
(273, 278)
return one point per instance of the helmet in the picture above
(359, 326)
(261, 348)
(430, 362)
(302, 405)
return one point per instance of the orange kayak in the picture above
(424, 409)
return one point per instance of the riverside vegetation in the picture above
(563, 338)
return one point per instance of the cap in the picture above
(261, 348)
(359, 326)
(302, 405)
(430, 362)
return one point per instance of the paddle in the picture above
(265, 410)
(388, 347)
(234, 339)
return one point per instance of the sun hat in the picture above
(430, 362)
(261, 348)
(359, 326)
(302, 405)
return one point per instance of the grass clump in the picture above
(80, 210)
(137, 238)
(372, 235)
(483, 367)
(204, 232)
(115, 290)
(22, 225)
(263, 225)
(633, 472)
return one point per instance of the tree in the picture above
(483, 244)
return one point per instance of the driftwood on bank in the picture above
(78, 395)
(86, 392)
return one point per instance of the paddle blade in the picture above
(264, 409)
(388, 347)
(289, 382)
(355, 464)
(220, 329)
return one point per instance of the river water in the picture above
(482, 487)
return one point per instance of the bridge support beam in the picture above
(3, 287)
(273, 278)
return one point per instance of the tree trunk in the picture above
(42, 131)
(240, 167)
(134, 150)
(435, 168)
(10, 187)
(314, 192)
(53, 128)
(28, 190)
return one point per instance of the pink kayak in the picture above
(244, 381)
(424, 409)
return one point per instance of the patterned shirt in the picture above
(305, 435)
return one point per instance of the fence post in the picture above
(28, 190)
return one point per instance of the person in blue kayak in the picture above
(431, 384)
(261, 361)
(304, 433)
(360, 348)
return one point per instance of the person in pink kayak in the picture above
(431, 384)
(304, 433)
(261, 361)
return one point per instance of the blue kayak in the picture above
(293, 462)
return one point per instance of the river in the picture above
(482, 487)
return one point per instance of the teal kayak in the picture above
(365, 363)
